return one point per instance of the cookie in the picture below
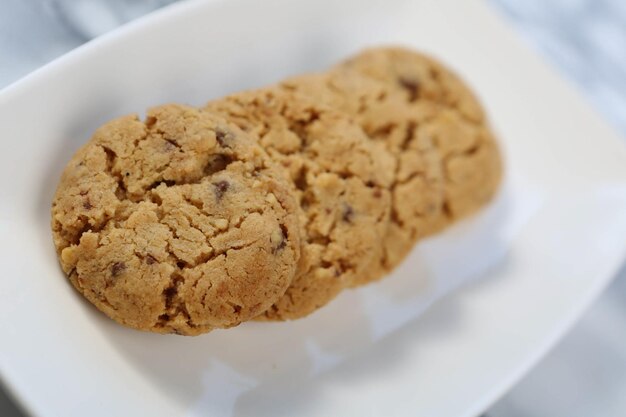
(449, 114)
(341, 179)
(448, 164)
(417, 192)
(176, 224)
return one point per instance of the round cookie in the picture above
(177, 224)
(341, 179)
(451, 117)
(448, 164)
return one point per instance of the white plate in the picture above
(542, 251)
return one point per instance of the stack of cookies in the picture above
(266, 204)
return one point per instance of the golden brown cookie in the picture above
(454, 121)
(341, 179)
(448, 164)
(417, 192)
(180, 223)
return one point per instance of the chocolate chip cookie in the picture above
(451, 117)
(447, 162)
(417, 191)
(180, 223)
(341, 179)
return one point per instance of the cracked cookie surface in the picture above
(447, 162)
(446, 111)
(341, 179)
(177, 224)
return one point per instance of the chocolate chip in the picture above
(117, 268)
(341, 268)
(87, 205)
(412, 86)
(169, 293)
(348, 213)
(306, 201)
(180, 264)
(220, 135)
(150, 259)
(217, 163)
(281, 245)
(220, 188)
(171, 143)
(120, 191)
(300, 181)
(223, 137)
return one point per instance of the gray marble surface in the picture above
(585, 375)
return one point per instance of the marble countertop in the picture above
(585, 375)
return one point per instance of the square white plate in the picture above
(542, 251)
